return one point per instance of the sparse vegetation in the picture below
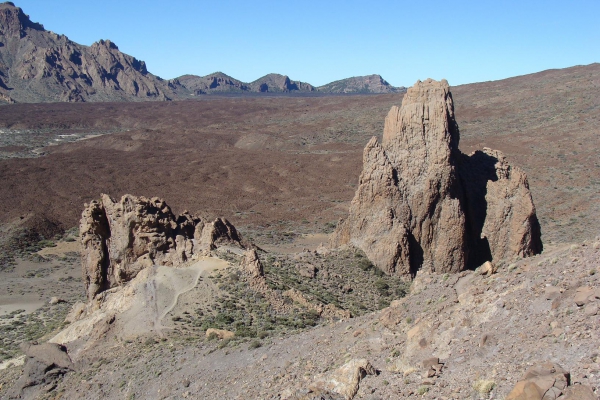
(484, 386)
(422, 390)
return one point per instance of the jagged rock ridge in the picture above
(219, 82)
(38, 66)
(422, 204)
(361, 84)
(120, 238)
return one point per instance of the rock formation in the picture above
(38, 66)
(422, 204)
(120, 238)
(45, 366)
(547, 381)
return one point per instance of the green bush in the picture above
(365, 264)
(46, 243)
(255, 344)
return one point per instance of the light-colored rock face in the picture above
(120, 238)
(422, 205)
(346, 379)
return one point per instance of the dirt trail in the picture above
(177, 278)
(159, 293)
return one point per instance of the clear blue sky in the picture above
(322, 41)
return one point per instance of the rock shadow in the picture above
(415, 255)
(474, 172)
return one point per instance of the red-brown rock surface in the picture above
(421, 204)
(120, 238)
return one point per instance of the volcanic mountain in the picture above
(37, 65)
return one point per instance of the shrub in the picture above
(46, 243)
(484, 386)
(382, 287)
(255, 344)
(365, 264)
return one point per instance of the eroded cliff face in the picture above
(120, 238)
(422, 204)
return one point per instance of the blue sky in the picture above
(322, 41)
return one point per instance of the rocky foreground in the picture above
(469, 335)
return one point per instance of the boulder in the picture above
(583, 295)
(45, 365)
(433, 367)
(120, 238)
(346, 379)
(579, 392)
(542, 381)
(488, 269)
(307, 270)
(423, 205)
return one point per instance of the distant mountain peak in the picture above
(13, 21)
(361, 84)
(40, 66)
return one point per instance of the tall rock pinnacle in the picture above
(421, 204)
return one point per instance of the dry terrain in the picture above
(283, 170)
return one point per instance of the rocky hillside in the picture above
(37, 65)
(213, 83)
(279, 83)
(361, 84)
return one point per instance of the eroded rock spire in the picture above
(422, 204)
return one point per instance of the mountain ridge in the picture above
(37, 65)
(41, 66)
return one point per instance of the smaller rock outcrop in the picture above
(252, 266)
(542, 381)
(45, 365)
(120, 238)
(219, 334)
